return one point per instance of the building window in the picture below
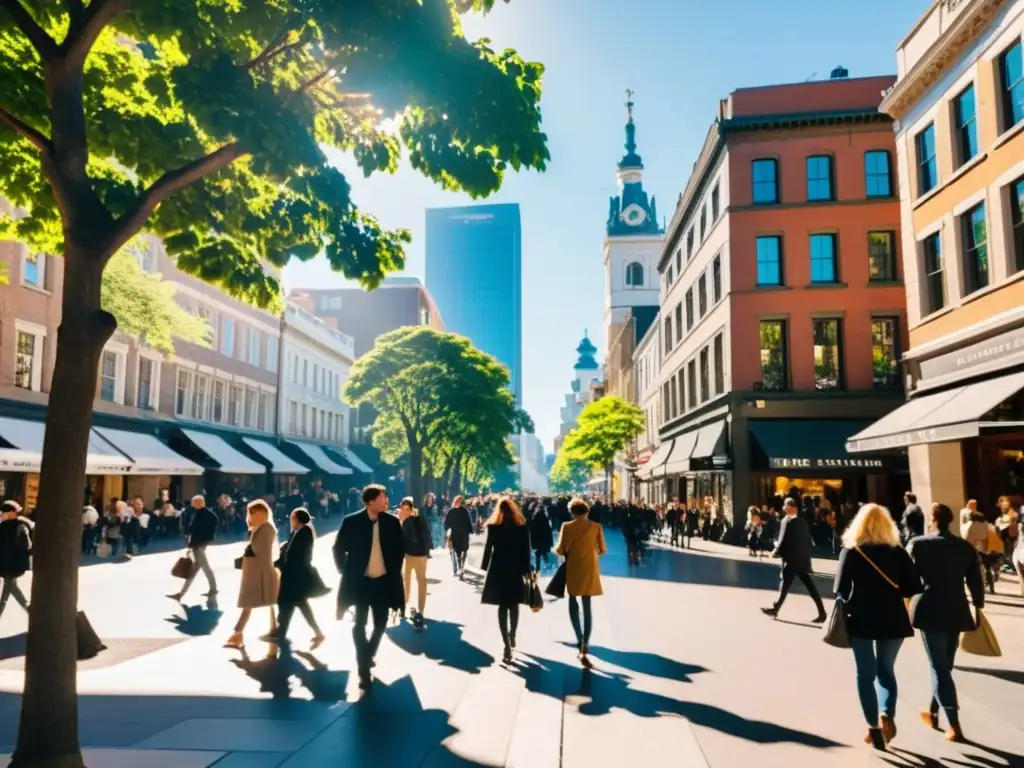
(769, 260)
(227, 340)
(927, 165)
(250, 407)
(234, 404)
(305, 420)
(272, 354)
(965, 119)
(702, 293)
(1011, 83)
(34, 270)
(681, 386)
(25, 364)
(217, 405)
(716, 280)
(774, 376)
(691, 382)
(1017, 220)
(293, 417)
(823, 259)
(668, 278)
(827, 344)
(679, 259)
(819, 178)
(673, 400)
(765, 181)
(881, 257)
(255, 339)
(719, 365)
(204, 313)
(305, 372)
(665, 402)
(144, 396)
(972, 227)
(181, 395)
(885, 352)
(714, 204)
(199, 397)
(935, 278)
(316, 377)
(876, 174)
(703, 222)
(635, 275)
(689, 244)
(689, 309)
(108, 376)
(705, 376)
(679, 318)
(668, 335)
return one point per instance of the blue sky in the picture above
(680, 57)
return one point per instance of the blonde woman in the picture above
(875, 576)
(260, 579)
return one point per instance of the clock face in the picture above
(634, 215)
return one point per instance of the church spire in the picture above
(631, 159)
(631, 212)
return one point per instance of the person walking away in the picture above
(874, 577)
(90, 521)
(1017, 558)
(689, 525)
(754, 528)
(542, 538)
(581, 542)
(507, 562)
(794, 548)
(15, 553)
(673, 524)
(112, 527)
(260, 580)
(416, 535)
(201, 531)
(976, 533)
(368, 551)
(913, 517)
(458, 526)
(945, 564)
(299, 579)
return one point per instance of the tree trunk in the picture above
(48, 731)
(414, 482)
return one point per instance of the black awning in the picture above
(812, 444)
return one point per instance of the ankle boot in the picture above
(875, 739)
(888, 728)
(929, 718)
(954, 733)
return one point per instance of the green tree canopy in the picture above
(605, 428)
(567, 474)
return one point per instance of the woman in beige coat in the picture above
(260, 579)
(581, 543)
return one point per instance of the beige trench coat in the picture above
(260, 579)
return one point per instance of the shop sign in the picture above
(797, 463)
(943, 434)
(1004, 349)
(20, 465)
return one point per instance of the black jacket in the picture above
(875, 609)
(202, 527)
(352, 556)
(298, 576)
(945, 562)
(540, 532)
(15, 547)
(913, 521)
(416, 534)
(459, 523)
(506, 560)
(794, 545)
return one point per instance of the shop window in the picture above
(819, 178)
(217, 413)
(1011, 86)
(885, 352)
(719, 346)
(935, 275)
(691, 382)
(147, 374)
(876, 174)
(1017, 220)
(881, 257)
(689, 309)
(827, 354)
(966, 124)
(823, 259)
(765, 179)
(227, 339)
(705, 376)
(774, 363)
(182, 393)
(108, 376)
(769, 260)
(702, 293)
(927, 164)
(199, 396)
(716, 279)
(689, 244)
(975, 240)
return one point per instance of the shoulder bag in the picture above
(837, 631)
(981, 641)
(556, 587)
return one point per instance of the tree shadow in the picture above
(440, 641)
(198, 620)
(651, 664)
(1009, 675)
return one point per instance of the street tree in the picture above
(605, 428)
(207, 124)
(567, 474)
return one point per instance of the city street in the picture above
(687, 673)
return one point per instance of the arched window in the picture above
(635, 275)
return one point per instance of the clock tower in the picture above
(633, 240)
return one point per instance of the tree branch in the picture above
(173, 181)
(45, 45)
(82, 35)
(34, 137)
(311, 83)
(271, 53)
(75, 11)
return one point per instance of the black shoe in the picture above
(417, 621)
(819, 619)
(773, 612)
(507, 656)
(512, 641)
(365, 680)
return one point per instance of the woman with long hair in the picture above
(581, 543)
(259, 577)
(875, 576)
(507, 561)
(946, 563)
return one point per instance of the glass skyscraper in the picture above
(474, 273)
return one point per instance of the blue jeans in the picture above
(941, 649)
(875, 661)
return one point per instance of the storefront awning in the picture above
(710, 441)
(228, 460)
(279, 463)
(26, 451)
(321, 459)
(955, 414)
(350, 456)
(680, 457)
(653, 467)
(802, 444)
(149, 456)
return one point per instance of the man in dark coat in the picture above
(15, 553)
(368, 551)
(913, 518)
(459, 525)
(794, 547)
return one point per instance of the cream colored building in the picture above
(959, 107)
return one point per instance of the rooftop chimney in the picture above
(839, 73)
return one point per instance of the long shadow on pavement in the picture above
(983, 757)
(1009, 675)
(441, 641)
(650, 664)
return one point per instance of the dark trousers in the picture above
(786, 577)
(373, 598)
(508, 622)
(941, 648)
(285, 611)
(458, 560)
(675, 534)
(582, 632)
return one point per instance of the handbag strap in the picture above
(880, 572)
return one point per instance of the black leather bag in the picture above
(837, 631)
(556, 587)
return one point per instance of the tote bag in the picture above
(837, 632)
(981, 641)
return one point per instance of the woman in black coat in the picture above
(507, 561)
(15, 553)
(540, 534)
(299, 579)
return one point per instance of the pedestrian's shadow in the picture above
(1009, 675)
(651, 664)
(440, 641)
(198, 620)
(984, 757)
(274, 673)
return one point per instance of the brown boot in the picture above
(930, 719)
(875, 739)
(954, 733)
(888, 728)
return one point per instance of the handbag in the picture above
(103, 549)
(317, 587)
(184, 567)
(535, 599)
(556, 587)
(837, 631)
(981, 641)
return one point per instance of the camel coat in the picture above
(581, 542)
(260, 580)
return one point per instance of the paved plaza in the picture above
(687, 673)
